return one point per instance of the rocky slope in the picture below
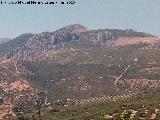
(31, 47)
(14, 44)
(77, 63)
(16, 92)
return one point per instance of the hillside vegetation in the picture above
(75, 73)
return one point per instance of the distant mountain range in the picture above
(4, 40)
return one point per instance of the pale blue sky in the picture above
(142, 15)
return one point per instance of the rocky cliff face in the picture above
(69, 36)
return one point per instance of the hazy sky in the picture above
(142, 15)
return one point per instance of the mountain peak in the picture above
(74, 28)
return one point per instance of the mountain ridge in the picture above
(30, 46)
